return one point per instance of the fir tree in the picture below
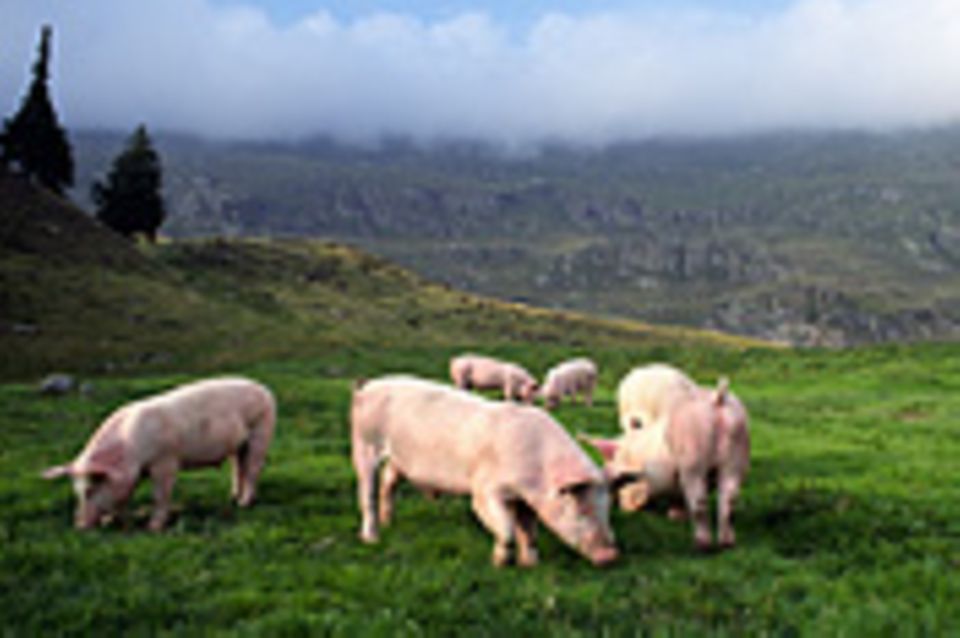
(130, 201)
(34, 143)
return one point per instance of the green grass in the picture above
(849, 523)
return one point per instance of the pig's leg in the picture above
(497, 517)
(389, 477)
(588, 395)
(694, 484)
(236, 474)
(365, 460)
(729, 491)
(163, 475)
(526, 531)
(252, 458)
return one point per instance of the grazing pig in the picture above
(473, 371)
(647, 393)
(702, 438)
(195, 425)
(515, 461)
(568, 379)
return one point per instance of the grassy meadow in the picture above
(849, 524)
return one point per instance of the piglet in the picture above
(195, 425)
(515, 461)
(477, 372)
(569, 379)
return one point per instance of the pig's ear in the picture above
(98, 471)
(722, 392)
(617, 479)
(58, 471)
(606, 447)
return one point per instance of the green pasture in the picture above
(849, 524)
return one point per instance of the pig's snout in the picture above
(604, 556)
(87, 517)
(600, 549)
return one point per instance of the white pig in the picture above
(477, 372)
(515, 461)
(568, 379)
(645, 395)
(703, 437)
(194, 425)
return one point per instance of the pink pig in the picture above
(703, 436)
(194, 425)
(515, 462)
(568, 379)
(473, 371)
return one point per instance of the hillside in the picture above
(812, 239)
(78, 297)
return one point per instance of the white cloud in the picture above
(185, 64)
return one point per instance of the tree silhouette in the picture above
(130, 201)
(34, 143)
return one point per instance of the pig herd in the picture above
(516, 462)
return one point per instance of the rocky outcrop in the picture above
(644, 257)
(817, 317)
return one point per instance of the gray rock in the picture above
(57, 384)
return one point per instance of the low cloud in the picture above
(591, 78)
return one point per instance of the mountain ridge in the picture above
(815, 239)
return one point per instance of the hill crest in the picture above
(78, 297)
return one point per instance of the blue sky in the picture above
(588, 71)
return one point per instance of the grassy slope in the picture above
(97, 305)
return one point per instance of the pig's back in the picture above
(649, 392)
(447, 439)
(205, 420)
(437, 436)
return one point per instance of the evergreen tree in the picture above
(130, 201)
(34, 143)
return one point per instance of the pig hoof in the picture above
(369, 538)
(703, 547)
(677, 514)
(528, 559)
(501, 556)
